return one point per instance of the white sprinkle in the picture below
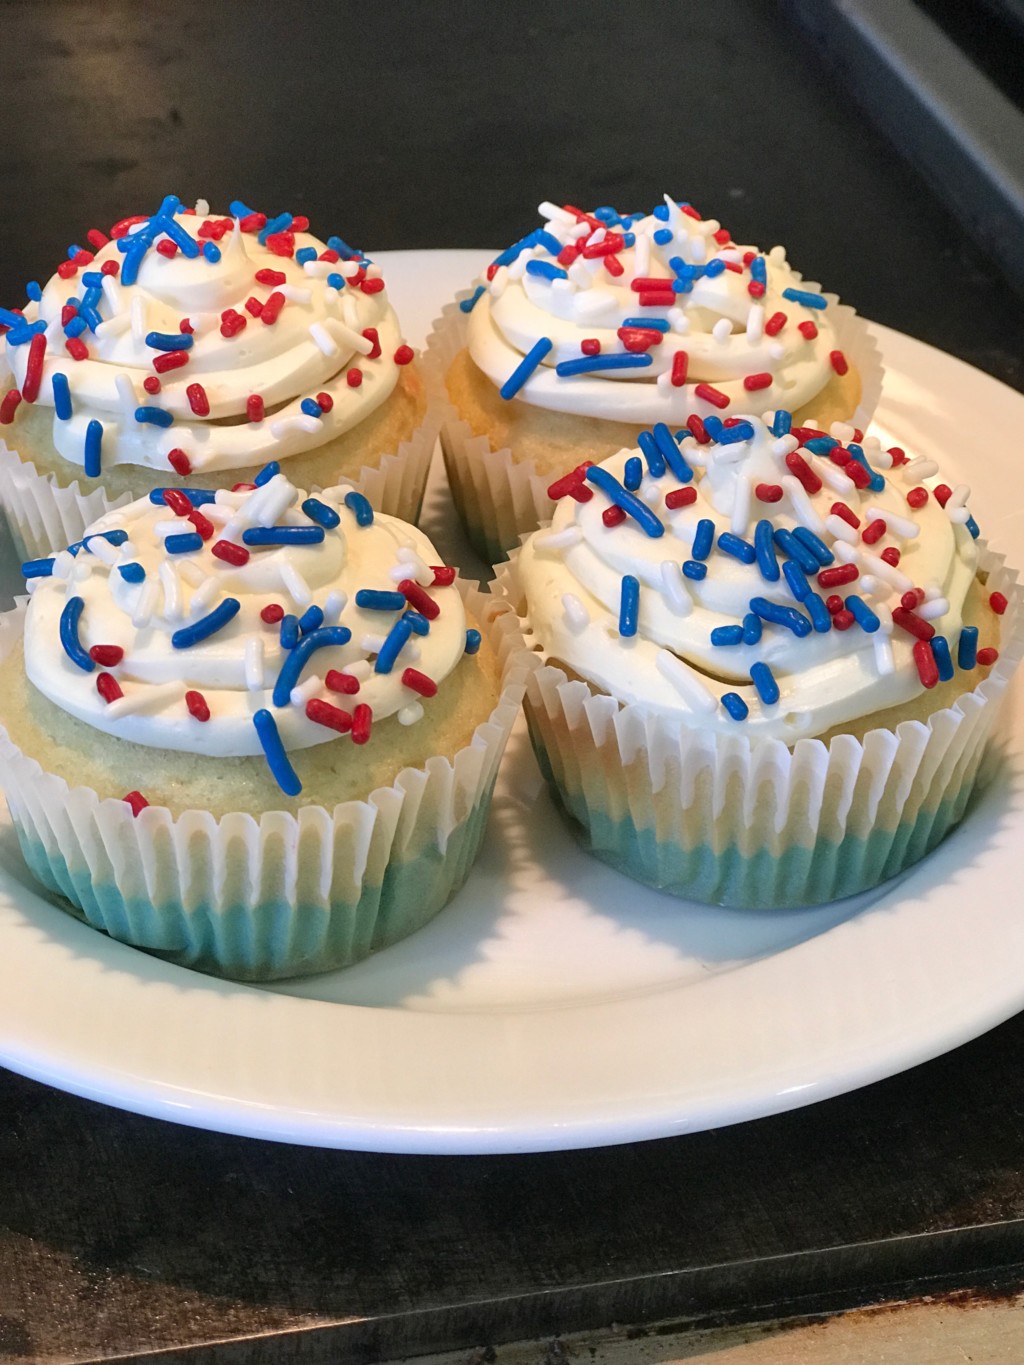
(112, 294)
(202, 598)
(347, 334)
(413, 567)
(296, 585)
(301, 422)
(334, 604)
(554, 214)
(112, 327)
(698, 249)
(370, 644)
(845, 552)
(347, 268)
(125, 393)
(410, 714)
(172, 592)
(785, 445)
(138, 319)
(921, 468)
(349, 312)
(673, 585)
(202, 208)
(741, 505)
(578, 273)
(678, 321)
(930, 611)
(870, 586)
(295, 293)
(318, 270)
(642, 256)
(63, 563)
(577, 618)
(82, 569)
(755, 323)
(958, 497)
(884, 660)
(895, 524)
(170, 528)
(500, 282)
(146, 698)
(323, 339)
(884, 618)
(553, 542)
(842, 431)
(103, 550)
(359, 668)
(731, 254)
(881, 568)
(579, 231)
(686, 682)
(306, 691)
(841, 530)
(191, 571)
(834, 478)
(803, 508)
(598, 235)
(145, 604)
(722, 331)
(959, 516)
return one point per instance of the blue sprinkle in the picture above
(473, 638)
(289, 631)
(277, 759)
(587, 363)
(661, 213)
(782, 423)
(94, 449)
(713, 269)
(807, 299)
(343, 249)
(973, 528)
(662, 236)
(92, 296)
(9, 319)
(751, 628)
(133, 255)
(821, 618)
(304, 254)
(737, 547)
(703, 539)
(525, 368)
(943, 658)
(682, 286)
(629, 605)
(742, 431)
(862, 614)
(607, 215)
(132, 573)
(212, 252)
(281, 223)
(324, 638)
(373, 599)
(633, 472)
(207, 625)
(283, 535)
(789, 545)
(735, 705)
(170, 341)
(267, 473)
(37, 568)
(467, 305)
(311, 619)
(713, 426)
(967, 647)
(394, 642)
(779, 615)
(420, 624)
(239, 210)
(61, 397)
(512, 252)
(877, 482)
(89, 316)
(546, 270)
(18, 336)
(814, 545)
(652, 454)
(764, 680)
(34, 290)
(311, 407)
(821, 445)
(798, 584)
(648, 324)
(320, 513)
(629, 502)
(73, 251)
(693, 568)
(198, 497)
(360, 508)
(156, 417)
(69, 619)
(671, 453)
(759, 270)
(727, 635)
(336, 281)
(548, 241)
(764, 548)
(74, 327)
(183, 544)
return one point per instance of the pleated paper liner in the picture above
(282, 895)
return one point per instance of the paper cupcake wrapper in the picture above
(44, 516)
(499, 498)
(282, 895)
(715, 818)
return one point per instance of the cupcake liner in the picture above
(282, 895)
(718, 819)
(501, 499)
(44, 516)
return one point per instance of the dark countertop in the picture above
(444, 125)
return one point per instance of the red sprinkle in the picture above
(120, 228)
(837, 575)
(572, 485)
(419, 599)
(912, 599)
(9, 407)
(987, 656)
(272, 308)
(300, 223)
(444, 577)
(151, 383)
(281, 243)
(854, 470)
(96, 238)
(197, 400)
(613, 265)
(167, 248)
(185, 326)
(344, 683)
(371, 335)
(749, 257)
(590, 346)
(613, 516)
(681, 497)
(891, 555)
(197, 705)
(137, 802)
(253, 307)
(34, 368)
(913, 624)
(722, 236)
(899, 455)
(254, 408)
(873, 531)
(775, 324)
(353, 377)
(68, 312)
(807, 330)
(203, 525)
(253, 222)
(371, 287)
(805, 434)
(734, 266)
(419, 682)
(110, 268)
(170, 360)
(997, 601)
(107, 656)
(840, 509)
(768, 492)
(325, 402)
(179, 461)
(755, 289)
(796, 464)
(713, 396)
(178, 501)
(242, 487)
(927, 668)
(108, 687)
(657, 298)
(639, 339)
(76, 348)
(680, 365)
(271, 277)
(272, 613)
(404, 354)
(67, 270)
(843, 619)
(917, 497)
(834, 604)
(757, 381)
(362, 721)
(233, 554)
(323, 713)
(839, 362)
(942, 493)
(696, 429)
(231, 323)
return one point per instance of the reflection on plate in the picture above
(555, 1003)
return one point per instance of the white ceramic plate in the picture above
(554, 1003)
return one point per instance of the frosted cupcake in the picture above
(596, 326)
(189, 349)
(773, 659)
(255, 732)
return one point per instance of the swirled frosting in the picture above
(649, 317)
(190, 341)
(794, 582)
(174, 625)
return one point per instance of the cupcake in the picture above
(254, 732)
(189, 349)
(773, 659)
(596, 326)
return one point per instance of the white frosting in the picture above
(572, 580)
(719, 324)
(316, 340)
(236, 668)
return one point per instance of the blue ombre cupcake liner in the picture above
(280, 895)
(717, 818)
